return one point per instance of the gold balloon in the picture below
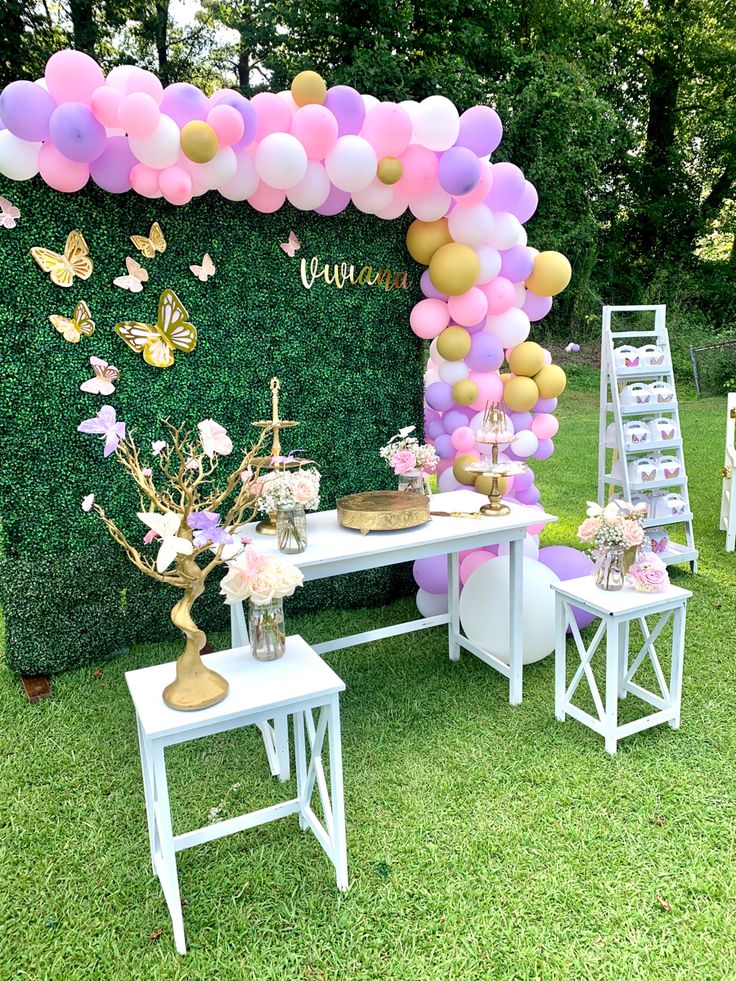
(465, 391)
(389, 170)
(199, 141)
(454, 268)
(453, 343)
(520, 394)
(526, 359)
(424, 238)
(551, 274)
(550, 381)
(308, 88)
(458, 468)
(505, 377)
(484, 482)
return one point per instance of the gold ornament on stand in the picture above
(494, 432)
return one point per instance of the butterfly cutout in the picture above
(158, 341)
(671, 474)
(631, 362)
(667, 434)
(291, 247)
(664, 398)
(152, 243)
(135, 279)
(659, 546)
(206, 270)
(63, 268)
(87, 503)
(105, 424)
(105, 375)
(656, 359)
(647, 475)
(9, 214)
(166, 527)
(72, 328)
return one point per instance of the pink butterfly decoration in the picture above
(631, 362)
(668, 434)
(157, 446)
(105, 375)
(656, 359)
(647, 475)
(659, 545)
(291, 247)
(9, 214)
(671, 474)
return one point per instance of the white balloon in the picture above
(484, 609)
(43, 83)
(520, 297)
(525, 443)
(447, 482)
(490, 263)
(245, 180)
(312, 190)
(374, 198)
(431, 604)
(281, 160)
(437, 357)
(399, 204)
(523, 238)
(221, 169)
(430, 206)
(162, 148)
(453, 371)
(18, 158)
(436, 123)
(511, 328)
(119, 75)
(369, 101)
(351, 164)
(471, 224)
(288, 98)
(507, 230)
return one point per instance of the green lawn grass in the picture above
(484, 841)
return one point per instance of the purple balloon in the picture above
(229, 97)
(480, 130)
(545, 450)
(536, 307)
(348, 108)
(485, 354)
(459, 170)
(568, 563)
(439, 395)
(76, 133)
(521, 420)
(428, 288)
(527, 203)
(184, 102)
(111, 170)
(507, 188)
(529, 496)
(524, 481)
(545, 405)
(444, 447)
(431, 574)
(476, 327)
(26, 109)
(517, 263)
(336, 202)
(453, 419)
(435, 427)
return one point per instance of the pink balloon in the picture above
(468, 308)
(527, 205)
(482, 188)
(176, 185)
(544, 426)
(398, 206)
(59, 172)
(388, 128)
(490, 388)
(473, 562)
(267, 199)
(463, 439)
(274, 114)
(141, 80)
(72, 76)
(105, 103)
(429, 318)
(227, 123)
(145, 181)
(500, 294)
(316, 129)
(138, 114)
(420, 170)
(537, 529)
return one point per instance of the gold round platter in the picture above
(383, 511)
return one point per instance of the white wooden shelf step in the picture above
(675, 552)
(650, 408)
(671, 519)
(648, 372)
(642, 485)
(647, 448)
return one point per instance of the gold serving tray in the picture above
(383, 511)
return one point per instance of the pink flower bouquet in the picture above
(407, 456)
(649, 575)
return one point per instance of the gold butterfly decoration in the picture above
(63, 268)
(152, 243)
(72, 328)
(206, 270)
(158, 341)
(135, 279)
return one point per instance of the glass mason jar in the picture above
(291, 530)
(412, 481)
(609, 569)
(266, 630)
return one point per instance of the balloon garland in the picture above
(321, 148)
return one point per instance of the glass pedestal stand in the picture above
(496, 469)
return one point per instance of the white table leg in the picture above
(560, 657)
(339, 844)
(238, 625)
(623, 661)
(281, 736)
(300, 765)
(678, 658)
(516, 620)
(149, 793)
(453, 601)
(613, 636)
(167, 855)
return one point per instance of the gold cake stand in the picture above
(493, 432)
(383, 510)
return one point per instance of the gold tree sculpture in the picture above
(181, 506)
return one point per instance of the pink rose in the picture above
(633, 534)
(403, 461)
(214, 438)
(303, 490)
(649, 575)
(589, 529)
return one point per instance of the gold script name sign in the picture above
(340, 274)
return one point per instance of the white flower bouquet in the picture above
(284, 490)
(407, 456)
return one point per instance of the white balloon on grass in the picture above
(431, 604)
(351, 164)
(281, 161)
(484, 608)
(18, 158)
(436, 123)
(312, 190)
(162, 148)
(471, 224)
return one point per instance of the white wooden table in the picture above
(334, 551)
(298, 685)
(616, 611)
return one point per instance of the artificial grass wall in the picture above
(350, 367)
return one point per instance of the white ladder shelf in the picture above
(615, 477)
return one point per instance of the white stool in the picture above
(298, 684)
(616, 611)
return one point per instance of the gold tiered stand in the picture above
(493, 432)
(274, 461)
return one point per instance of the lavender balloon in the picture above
(524, 481)
(545, 405)
(459, 170)
(454, 419)
(480, 130)
(76, 132)
(336, 202)
(431, 573)
(545, 450)
(568, 563)
(536, 307)
(485, 354)
(435, 427)
(527, 203)
(111, 170)
(521, 420)
(476, 327)
(529, 496)
(507, 188)
(26, 109)
(444, 447)
(517, 263)
(439, 395)
(348, 108)
(428, 288)
(184, 102)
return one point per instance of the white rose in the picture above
(594, 510)
(234, 586)
(261, 588)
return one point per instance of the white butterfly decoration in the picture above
(206, 270)
(135, 279)
(105, 375)
(291, 247)
(9, 214)
(166, 526)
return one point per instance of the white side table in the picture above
(297, 685)
(616, 611)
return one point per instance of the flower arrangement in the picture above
(407, 456)
(649, 574)
(194, 518)
(618, 525)
(283, 490)
(259, 578)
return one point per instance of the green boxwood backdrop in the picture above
(351, 371)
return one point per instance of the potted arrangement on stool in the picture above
(617, 533)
